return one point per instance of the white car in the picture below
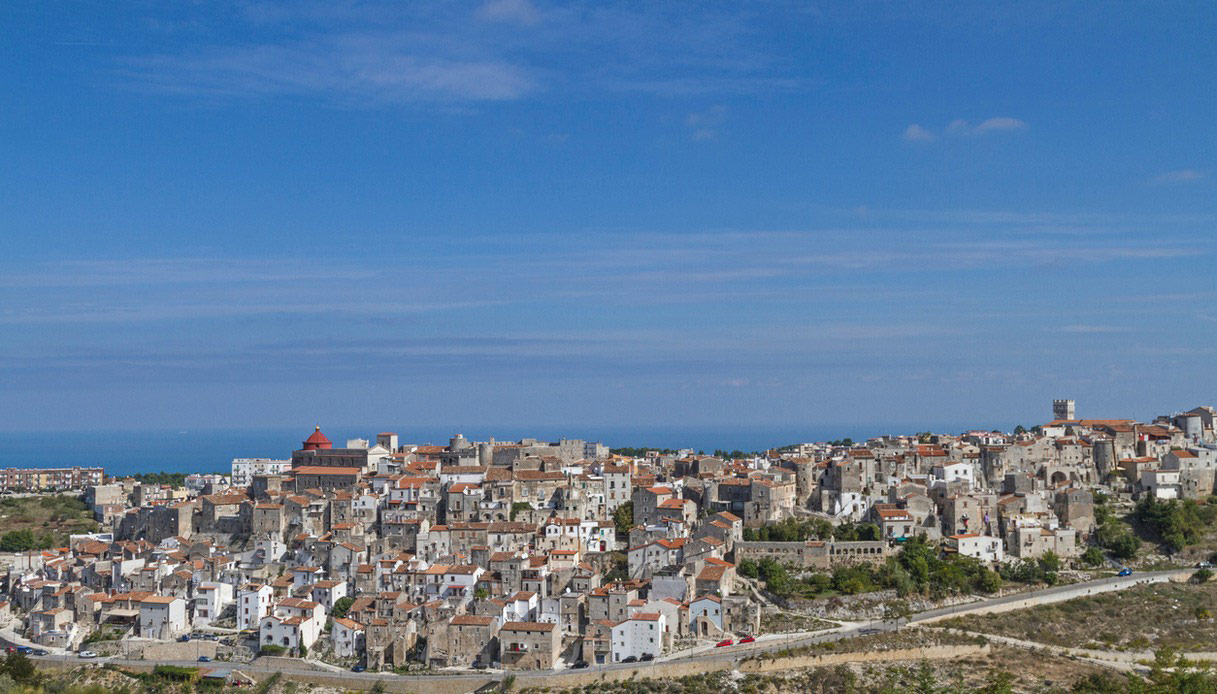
(87, 654)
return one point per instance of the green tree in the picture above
(1178, 522)
(748, 568)
(18, 541)
(924, 681)
(1050, 562)
(1202, 575)
(341, 607)
(1125, 546)
(998, 682)
(20, 668)
(623, 518)
(990, 581)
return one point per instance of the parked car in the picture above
(184, 638)
(204, 659)
(479, 665)
(358, 668)
(630, 659)
(25, 650)
(1125, 572)
(579, 664)
(724, 643)
(1205, 565)
(11, 649)
(41, 651)
(647, 657)
(87, 654)
(747, 639)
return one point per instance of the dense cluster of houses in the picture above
(509, 555)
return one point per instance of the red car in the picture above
(724, 642)
(747, 639)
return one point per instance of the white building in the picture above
(293, 623)
(288, 632)
(348, 637)
(963, 472)
(617, 488)
(641, 634)
(521, 607)
(654, 556)
(306, 575)
(210, 600)
(253, 603)
(461, 580)
(244, 469)
(598, 536)
(269, 551)
(850, 506)
(983, 547)
(197, 483)
(1161, 484)
(162, 617)
(329, 592)
(709, 607)
(670, 608)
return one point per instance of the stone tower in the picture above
(1062, 409)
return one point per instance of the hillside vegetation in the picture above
(42, 522)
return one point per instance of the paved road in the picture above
(1050, 595)
(728, 655)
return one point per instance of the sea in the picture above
(126, 452)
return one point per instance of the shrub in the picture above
(1093, 556)
(176, 673)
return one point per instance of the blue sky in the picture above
(582, 215)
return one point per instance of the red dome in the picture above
(317, 440)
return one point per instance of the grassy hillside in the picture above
(40, 522)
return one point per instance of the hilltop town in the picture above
(528, 555)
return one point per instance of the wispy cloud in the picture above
(520, 12)
(376, 53)
(1179, 176)
(707, 124)
(352, 69)
(916, 133)
(992, 125)
(1084, 329)
(962, 128)
(171, 271)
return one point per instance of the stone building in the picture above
(529, 645)
(466, 639)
